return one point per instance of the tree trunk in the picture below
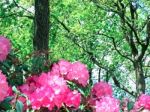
(140, 80)
(41, 34)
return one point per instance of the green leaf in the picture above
(8, 99)
(130, 105)
(15, 89)
(10, 111)
(19, 106)
(6, 103)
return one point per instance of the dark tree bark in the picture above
(140, 80)
(41, 34)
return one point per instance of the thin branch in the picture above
(145, 46)
(115, 46)
(117, 83)
(19, 6)
(64, 26)
(134, 31)
(16, 14)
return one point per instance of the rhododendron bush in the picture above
(4, 88)
(61, 89)
(4, 48)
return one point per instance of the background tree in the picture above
(41, 36)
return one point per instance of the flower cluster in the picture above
(30, 86)
(142, 102)
(76, 71)
(102, 100)
(4, 88)
(101, 89)
(5, 48)
(107, 104)
(50, 91)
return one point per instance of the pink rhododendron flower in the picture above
(32, 79)
(107, 104)
(5, 47)
(55, 69)
(73, 99)
(79, 73)
(49, 91)
(30, 86)
(4, 88)
(61, 68)
(64, 67)
(43, 79)
(101, 89)
(60, 89)
(42, 97)
(143, 101)
(71, 71)
(10, 91)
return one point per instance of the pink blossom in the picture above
(32, 78)
(143, 101)
(107, 104)
(61, 68)
(42, 97)
(4, 88)
(43, 79)
(10, 91)
(5, 48)
(55, 69)
(101, 89)
(53, 91)
(60, 89)
(79, 73)
(71, 71)
(64, 67)
(73, 99)
(30, 86)
(52, 80)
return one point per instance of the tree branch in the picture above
(117, 83)
(22, 7)
(64, 26)
(115, 46)
(145, 46)
(15, 14)
(134, 31)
